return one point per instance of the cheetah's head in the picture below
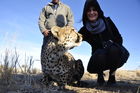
(67, 36)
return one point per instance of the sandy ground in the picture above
(127, 82)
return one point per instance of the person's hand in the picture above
(45, 33)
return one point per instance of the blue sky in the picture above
(19, 26)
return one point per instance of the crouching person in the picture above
(101, 33)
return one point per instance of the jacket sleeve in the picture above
(81, 31)
(116, 35)
(42, 20)
(70, 18)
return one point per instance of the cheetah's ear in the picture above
(55, 30)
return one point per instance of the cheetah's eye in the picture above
(65, 43)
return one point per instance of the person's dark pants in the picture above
(104, 59)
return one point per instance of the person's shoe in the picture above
(100, 80)
(111, 81)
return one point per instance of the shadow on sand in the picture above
(124, 86)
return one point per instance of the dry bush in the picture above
(8, 67)
(12, 74)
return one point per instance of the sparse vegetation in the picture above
(17, 78)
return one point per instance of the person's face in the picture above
(92, 14)
(55, 1)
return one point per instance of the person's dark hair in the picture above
(94, 4)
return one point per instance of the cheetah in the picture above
(57, 63)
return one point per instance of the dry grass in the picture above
(15, 78)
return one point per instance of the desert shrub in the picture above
(8, 67)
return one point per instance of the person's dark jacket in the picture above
(95, 40)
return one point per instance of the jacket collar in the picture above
(51, 4)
